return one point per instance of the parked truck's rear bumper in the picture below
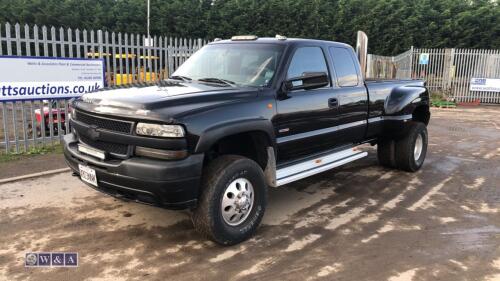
(168, 184)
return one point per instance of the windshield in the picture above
(241, 64)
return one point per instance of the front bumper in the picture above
(168, 184)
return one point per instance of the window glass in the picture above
(243, 64)
(344, 67)
(307, 59)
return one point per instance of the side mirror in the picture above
(307, 81)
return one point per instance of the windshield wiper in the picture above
(180, 77)
(217, 80)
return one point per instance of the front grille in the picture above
(116, 148)
(104, 123)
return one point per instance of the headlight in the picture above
(158, 130)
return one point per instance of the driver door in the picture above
(305, 117)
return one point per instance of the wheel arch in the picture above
(213, 134)
(405, 99)
(421, 113)
(249, 139)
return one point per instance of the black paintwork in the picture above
(210, 111)
(169, 184)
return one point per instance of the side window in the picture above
(307, 59)
(344, 67)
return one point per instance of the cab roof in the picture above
(287, 41)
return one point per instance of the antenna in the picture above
(149, 8)
(149, 36)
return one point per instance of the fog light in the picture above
(160, 153)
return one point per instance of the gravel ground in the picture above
(358, 222)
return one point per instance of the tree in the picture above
(392, 25)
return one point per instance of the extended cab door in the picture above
(352, 95)
(305, 117)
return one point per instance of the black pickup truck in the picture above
(240, 116)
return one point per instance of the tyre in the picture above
(233, 200)
(386, 153)
(411, 148)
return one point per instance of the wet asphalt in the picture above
(357, 222)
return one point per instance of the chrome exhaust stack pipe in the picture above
(362, 51)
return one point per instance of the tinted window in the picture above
(344, 65)
(307, 59)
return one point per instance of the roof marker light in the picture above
(244, 38)
(280, 37)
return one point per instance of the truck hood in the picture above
(162, 101)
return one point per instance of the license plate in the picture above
(92, 151)
(88, 175)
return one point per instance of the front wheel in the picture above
(410, 150)
(233, 200)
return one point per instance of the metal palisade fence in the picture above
(446, 71)
(128, 59)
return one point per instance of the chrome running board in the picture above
(317, 165)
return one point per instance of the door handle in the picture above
(333, 103)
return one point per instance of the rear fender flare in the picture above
(402, 100)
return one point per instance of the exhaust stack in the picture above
(362, 51)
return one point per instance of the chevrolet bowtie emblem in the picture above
(93, 133)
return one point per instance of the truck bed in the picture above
(379, 90)
(394, 81)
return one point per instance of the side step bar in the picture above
(317, 165)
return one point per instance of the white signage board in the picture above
(485, 84)
(423, 58)
(34, 78)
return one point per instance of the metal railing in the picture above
(127, 60)
(448, 71)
